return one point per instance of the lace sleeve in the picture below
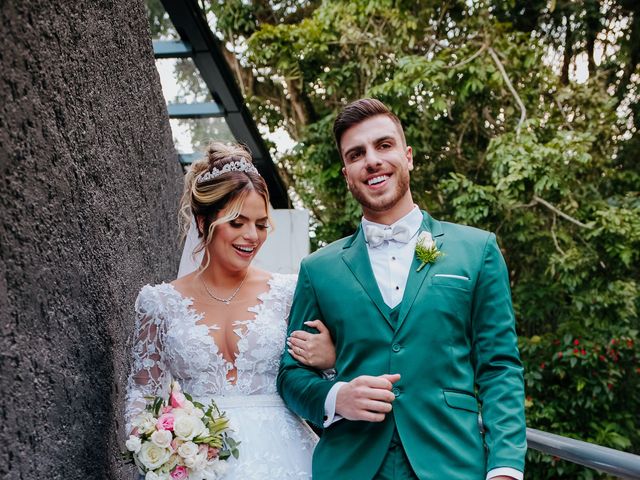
(150, 375)
(287, 284)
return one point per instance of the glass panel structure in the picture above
(192, 135)
(181, 81)
(204, 101)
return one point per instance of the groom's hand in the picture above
(366, 398)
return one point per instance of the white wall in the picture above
(287, 244)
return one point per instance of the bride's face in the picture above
(235, 244)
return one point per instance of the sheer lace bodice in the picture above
(172, 343)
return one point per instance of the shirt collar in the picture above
(413, 220)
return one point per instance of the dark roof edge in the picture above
(193, 28)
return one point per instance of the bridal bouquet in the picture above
(178, 438)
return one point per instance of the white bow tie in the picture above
(376, 236)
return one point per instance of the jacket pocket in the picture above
(461, 401)
(450, 280)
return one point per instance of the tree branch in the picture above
(555, 239)
(563, 113)
(443, 12)
(523, 111)
(472, 57)
(560, 213)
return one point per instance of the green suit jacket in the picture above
(454, 345)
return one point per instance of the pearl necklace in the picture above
(227, 300)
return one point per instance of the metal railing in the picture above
(603, 459)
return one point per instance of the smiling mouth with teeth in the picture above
(377, 180)
(244, 249)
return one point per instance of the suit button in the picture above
(396, 391)
(396, 348)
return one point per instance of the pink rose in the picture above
(165, 422)
(167, 409)
(177, 399)
(180, 472)
(213, 453)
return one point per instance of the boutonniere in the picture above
(426, 250)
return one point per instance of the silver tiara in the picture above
(237, 166)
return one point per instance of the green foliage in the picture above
(585, 388)
(503, 139)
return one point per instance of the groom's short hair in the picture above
(358, 111)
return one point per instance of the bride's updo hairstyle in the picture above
(221, 180)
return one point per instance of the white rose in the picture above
(198, 412)
(151, 476)
(187, 427)
(190, 462)
(188, 407)
(425, 240)
(133, 444)
(188, 449)
(162, 438)
(145, 422)
(153, 456)
(200, 462)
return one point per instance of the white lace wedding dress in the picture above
(172, 343)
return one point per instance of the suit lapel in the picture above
(416, 279)
(356, 257)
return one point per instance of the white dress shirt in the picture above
(391, 262)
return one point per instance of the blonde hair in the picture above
(205, 200)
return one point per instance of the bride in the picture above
(220, 330)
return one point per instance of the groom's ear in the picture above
(346, 179)
(409, 156)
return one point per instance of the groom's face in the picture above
(376, 165)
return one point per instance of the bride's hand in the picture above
(313, 349)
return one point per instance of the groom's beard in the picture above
(386, 201)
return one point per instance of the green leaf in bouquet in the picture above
(215, 443)
(126, 456)
(150, 403)
(157, 404)
(214, 407)
(218, 425)
(236, 453)
(141, 468)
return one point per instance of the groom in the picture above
(429, 382)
